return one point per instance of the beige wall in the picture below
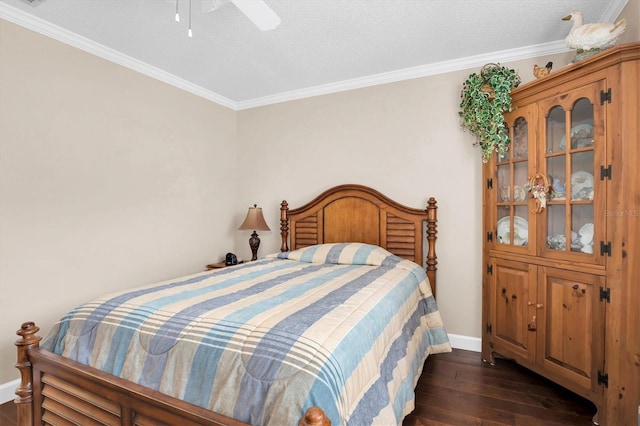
(108, 179)
(632, 13)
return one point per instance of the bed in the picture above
(333, 329)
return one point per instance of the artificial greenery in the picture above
(485, 97)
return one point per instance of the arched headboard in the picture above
(356, 213)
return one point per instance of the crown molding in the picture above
(55, 32)
(43, 27)
(410, 73)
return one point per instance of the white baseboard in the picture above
(7, 391)
(465, 342)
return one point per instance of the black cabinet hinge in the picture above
(489, 329)
(489, 236)
(605, 248)
(490, 269)
(605, 294)
(489, 183)
(603, 379)
(605, 172)
(605, 96)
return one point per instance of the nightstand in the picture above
(219, 265)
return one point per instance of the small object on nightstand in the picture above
(230, 259)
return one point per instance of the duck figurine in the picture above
(592, 38)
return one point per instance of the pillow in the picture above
(344, 254)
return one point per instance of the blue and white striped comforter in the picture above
(346, 327)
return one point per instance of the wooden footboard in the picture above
(57, 390)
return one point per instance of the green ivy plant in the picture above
(485, 97)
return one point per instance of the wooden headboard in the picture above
(356, 213)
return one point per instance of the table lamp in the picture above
(254, 221)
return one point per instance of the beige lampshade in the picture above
(254, 220)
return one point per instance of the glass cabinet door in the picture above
(573, 133)
(512, 226)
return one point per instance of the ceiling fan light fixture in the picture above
(190, 33)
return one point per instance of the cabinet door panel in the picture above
(572, 156)
(510, 221)
(570, 328)
(513, 320)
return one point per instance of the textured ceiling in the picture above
(321, 45)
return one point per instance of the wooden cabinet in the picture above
(561, 218)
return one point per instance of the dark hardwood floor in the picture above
(8, 414)
(458, 389)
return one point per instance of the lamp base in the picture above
(254, 243)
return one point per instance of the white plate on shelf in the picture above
(586, 234)
(519, 194)
(520, 229)
(581, 186)
(581, 130)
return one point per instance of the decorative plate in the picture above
(519, 194)
(582, 134)
(586, 234)
(520, 230)
(582, 186)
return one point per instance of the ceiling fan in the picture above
(257, 11)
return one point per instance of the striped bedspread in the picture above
(346, 327)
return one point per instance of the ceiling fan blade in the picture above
(259, 13)
(211, 5)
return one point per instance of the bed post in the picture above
(284, 225)
(314, 416)
(24, 401)
(432, 230)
